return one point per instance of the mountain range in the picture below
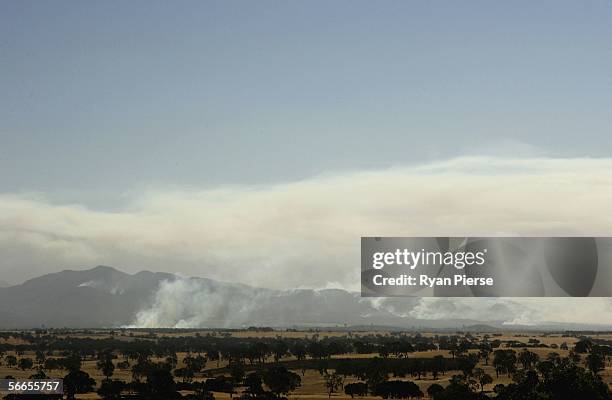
(105, 297)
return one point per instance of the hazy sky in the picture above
(257, 141)
(102, 98)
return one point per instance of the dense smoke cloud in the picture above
(306, 233)
(189, 303)
(192, 303)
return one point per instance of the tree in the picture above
(213, 355)
(11, 361)
(298, 350)
(375, 373)
(482, 378)
(596, 362)
(570, 382)
(467, 363)
(356, 389)
(438, 366)
(573, 357)
(222, 384)
(504, 361)
(237, 372)
(561, 381)
(528, 359)
(200, 393)
(484, 352)
(281, 381)
(160, 383)
(52, 364)
(583, 346)
(106, 365)
(40, 357)
(434, 389)
(458, 389)
(171, 360)
(253, 385)
(185, 374)
(72, 362)
(280, 350)
(196, 364)
(25, 363)
(333, 383)
(111, 389)
(77, 382)
(40, 374)
(398, 390)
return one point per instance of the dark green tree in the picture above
(281, 381)
(77, 382)
(111, 389)
(25, 363)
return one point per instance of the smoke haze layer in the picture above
(305, 234)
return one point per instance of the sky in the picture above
(257, 141)
(110, 97)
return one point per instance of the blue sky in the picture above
(99, 98)
(256, 141)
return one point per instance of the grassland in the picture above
(312, 381)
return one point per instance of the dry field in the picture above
(312, 382)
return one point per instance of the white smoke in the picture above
(192, 303)
(306, 233)
(519, 311)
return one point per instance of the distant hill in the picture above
(106, 297)
(102, 296)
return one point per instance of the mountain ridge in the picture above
(105, 297)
